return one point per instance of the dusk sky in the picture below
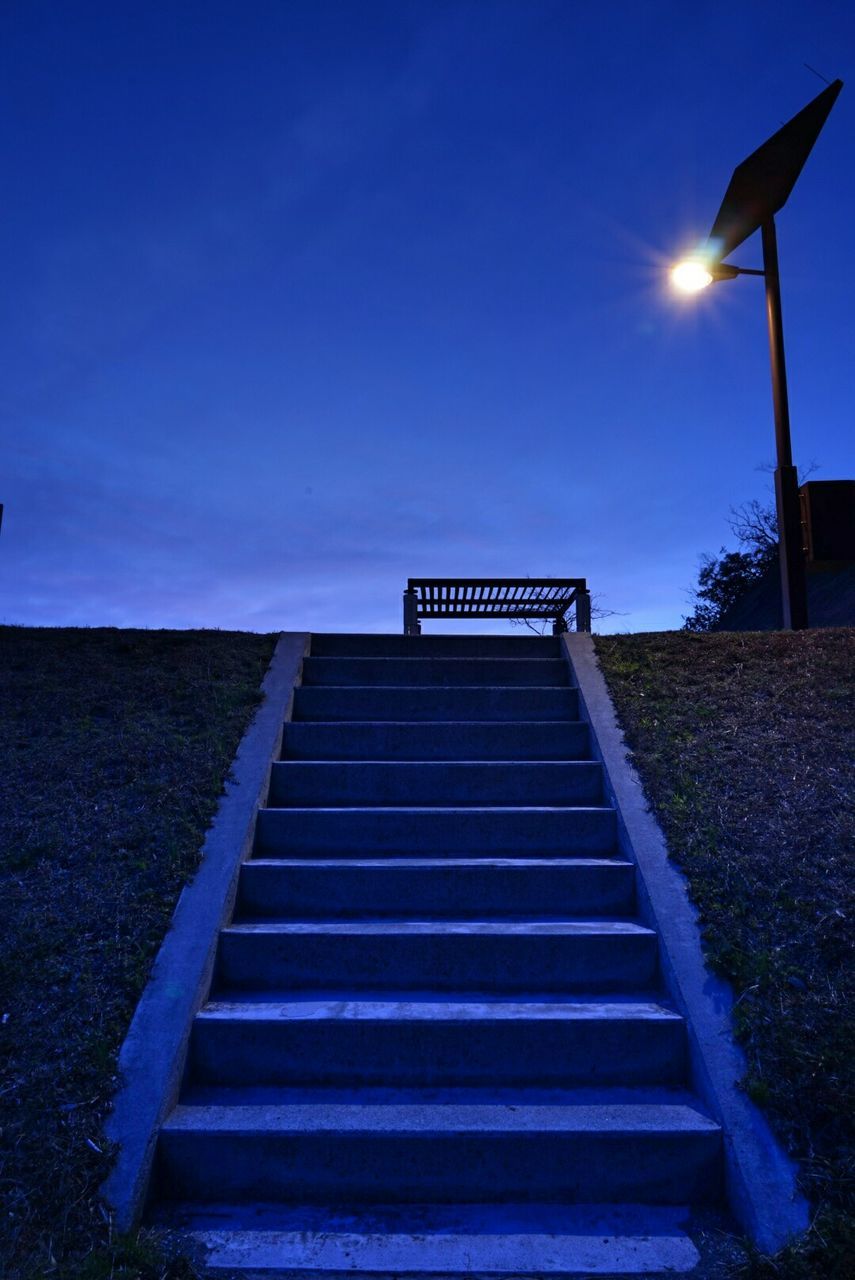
(304, 297)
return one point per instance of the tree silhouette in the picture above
(724, 579)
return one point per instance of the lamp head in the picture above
(691, 275)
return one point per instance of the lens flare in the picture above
(691, 276)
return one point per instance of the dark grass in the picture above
(113, 753)
(113, 750)
(745, 744)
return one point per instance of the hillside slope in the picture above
(745, 743)
(114, 749)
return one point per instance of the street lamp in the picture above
(758, 188)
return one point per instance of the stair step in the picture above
(506, 1240)
(599, 955)
(359, 1042)
(443, 888)
(484, 703)
(339, 645)
(538, 831)
(664, 1153)
(443, 672)
(305, 783)
(461, 740)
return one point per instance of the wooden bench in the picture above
(534, 598)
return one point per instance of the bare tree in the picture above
(724, 579)
(541, 626)
(755, 526)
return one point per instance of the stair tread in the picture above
(500, 1239)
(418, 725)
(476, 1008)
(570, 928)
(469, 810)
(430, 1117)
(435, 657)
(329, 662)
(426, 689)
(439, 765)
(438, 863)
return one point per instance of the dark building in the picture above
(828, 529)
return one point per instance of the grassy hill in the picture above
(114, 750)
(113, 755)
(745, 744)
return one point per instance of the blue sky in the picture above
(304, 297)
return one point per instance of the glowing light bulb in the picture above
(691, 276)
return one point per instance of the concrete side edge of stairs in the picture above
(760, 1177)
(152, 1057)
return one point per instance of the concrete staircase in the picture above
(436, 1041)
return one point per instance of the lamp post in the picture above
(758, 188)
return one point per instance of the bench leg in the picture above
(412, 626)
(583, 611)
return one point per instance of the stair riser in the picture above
(437, 704)
(443, 672)
(660, 1168)
(414, 741)
(509, 962)
(455, 892)
(353, 1053)
(309, 783)
(333, 645)
(330, 833)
